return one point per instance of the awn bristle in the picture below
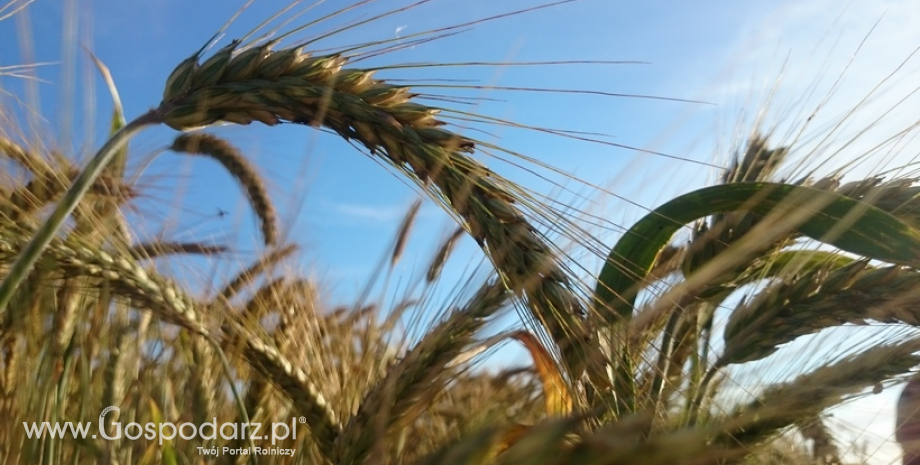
(240, 168)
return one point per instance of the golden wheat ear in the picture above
(239, 167)
(288, 85)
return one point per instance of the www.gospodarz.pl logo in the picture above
(166, 431)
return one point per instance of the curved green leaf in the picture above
(871, 232)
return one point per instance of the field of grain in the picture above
(736, 318)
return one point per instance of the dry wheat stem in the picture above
(240, 168)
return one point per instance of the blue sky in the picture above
(344, 209)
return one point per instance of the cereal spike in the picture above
(180, 80)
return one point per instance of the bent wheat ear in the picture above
(148, 289)
(782, 405)
(317, 91)
(240, 168)
(293, 382)
(818, 300)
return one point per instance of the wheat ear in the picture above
(259, 84)
(307, 397)
(148, 289)
(48, 186)
(157, 249)
(246, 277)
(34, 163)
(236, 164)
(440, 258)
(411, 384)
(820, 299)
(809, 394)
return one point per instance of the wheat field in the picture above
(754, 304)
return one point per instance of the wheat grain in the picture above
(240, 168)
